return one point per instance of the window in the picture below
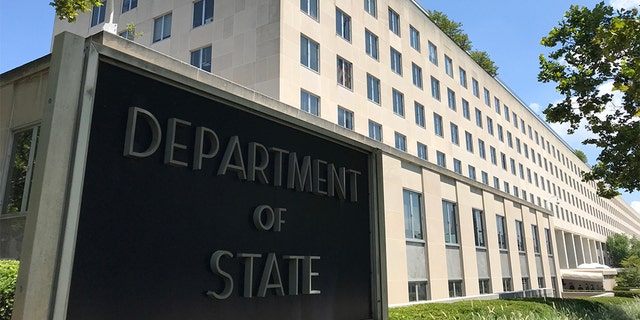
(509, 139)
(478, 118)
(396, 61)
(465, 109)
(525, 283)
(463, 77)
(457, 166)
(310, 7)
(506, 186)
(454, 134)
(373, 89)
(17, 191)
(129, 5)
(394, 22)
(503, 161)
(448, 66)
(506, 285)
(375, 131)
(371, 43)
(412, 215)
(547, 234)
(414, 38)
(487, 97)
(469, 141)
(370, 7)
(506, 114)
(401, 142)
(398, 102)
(490, 126)
(162, 28)
(520, 236)
(481, 150)
(202, 12)
(492, 152)
(478, 227)
(496, 183)
(437, 125)
(419, 114)
(344, 72)
(518, 146)
(441, 159)
(451, 99)
(541, 282)
(19, 173)
(343, 25)
(502, 232)
(345, 118)
(97, 14)
(435, 88)
(433, 53)
(496, 102)
(485, 177)
(472, 172)
(500, 133)
(127, 35)
(450, 222)
(422, 151)
(476, 87)
(201, 58)
(418, 291)
(417, 75)
(309, 53)
(455, 288)
(310, 103)
(536, 239)
(484, 286)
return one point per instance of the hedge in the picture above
(8, 276)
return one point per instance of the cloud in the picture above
(635, 205)
(627, 4)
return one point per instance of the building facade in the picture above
(480, 197)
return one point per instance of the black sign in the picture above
(195, 209)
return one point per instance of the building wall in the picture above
(258, 45)
(22, 96)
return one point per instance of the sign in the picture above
(195, 209)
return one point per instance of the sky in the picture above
(510, 31)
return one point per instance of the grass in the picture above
(524, 309)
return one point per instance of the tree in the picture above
(482, 58)
(454, 30)
(451, 28)
(580, 155)
(594, 49)
(618, 248)
(69, 9)
(630, 275)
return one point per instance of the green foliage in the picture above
(454, 30)
(8, 276)
(530, 309)
(593, 47)
(581, 155)
(69, 9)
(482, 59)
(451, 28)
(626, 293)
(131, 29)
(618, 247)
(630, 275)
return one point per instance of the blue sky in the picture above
(510, 31)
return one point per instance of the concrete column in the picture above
(561, 249)
(41, 249)
(579, 249)
(571, 251)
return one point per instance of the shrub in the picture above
(8, 276)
